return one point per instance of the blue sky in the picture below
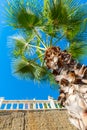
(11, 87)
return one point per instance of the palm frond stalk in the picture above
(37, 51)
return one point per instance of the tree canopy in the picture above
(40, 25)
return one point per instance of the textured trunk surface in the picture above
(72, 78)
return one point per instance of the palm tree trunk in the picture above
(72, 78)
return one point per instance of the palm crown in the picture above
(40, 26)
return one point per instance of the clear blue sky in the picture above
(11, 87)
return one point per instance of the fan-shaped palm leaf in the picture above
(27, 69)
(24, 67)
(20, 46)
(56, 12)
(78, 50)
(68, 15)
(25, 46)
(77, 22)
(20, 16)
(80, 37)
(55, 15)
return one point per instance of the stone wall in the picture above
(35, 120)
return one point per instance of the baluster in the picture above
(38, 105)
(52, 104)
(17, 106)
(58, 105)
(28, 105)
(34, 105)
(23, 106)
(47, 106)
(5, 106)
(11, 106)
(31, 105)
(43, 105)
(1, 100)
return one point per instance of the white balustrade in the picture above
(29, 104)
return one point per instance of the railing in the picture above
(29, 104)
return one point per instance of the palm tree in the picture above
(42, 27)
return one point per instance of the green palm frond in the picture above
(33, 5)
(80, 37)
(55, 12)
(25, 46)
(55, 15)
(78, 50)
(28, 69)
(70, 16)
(20, 16)
(77, 22)
(20, 46)
(31, 70)
(71, 5)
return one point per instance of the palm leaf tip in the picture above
(19, 41)
(18, 45)
(27, 19)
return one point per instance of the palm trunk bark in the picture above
(72, 78)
